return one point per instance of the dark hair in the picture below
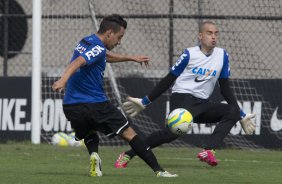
(113, 22)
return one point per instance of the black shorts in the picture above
(103, 117)
(202, 110)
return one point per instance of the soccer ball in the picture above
(60, 139)
(179, 121)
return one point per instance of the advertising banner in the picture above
(261, 97)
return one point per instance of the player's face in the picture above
(114, 39)
(208, 37)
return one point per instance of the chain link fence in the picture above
(15, 37)
(250, 30)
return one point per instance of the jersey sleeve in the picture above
(181, 63)
(225, 72)
(90, 52)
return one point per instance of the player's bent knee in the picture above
(128, 134)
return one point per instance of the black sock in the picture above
(92, 142)
(131, 153)
(156, 139)
(144, 152)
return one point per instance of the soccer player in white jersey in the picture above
(194, 76)
(86, 105)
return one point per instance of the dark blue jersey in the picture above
(86, 84)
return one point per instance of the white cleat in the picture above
(95, 165)
(166, 174)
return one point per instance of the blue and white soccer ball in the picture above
(63, 139)
(179, 121)
(60, 139)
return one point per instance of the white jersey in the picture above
(198, 73)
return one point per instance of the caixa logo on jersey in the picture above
(204, 71)
(95, 51)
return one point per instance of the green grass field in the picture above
(47, 164)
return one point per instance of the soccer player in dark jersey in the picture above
(85, 104)
(193, 77)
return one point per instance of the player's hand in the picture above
(248, 124)
(141, 60)
(58, 86)
(133, 106)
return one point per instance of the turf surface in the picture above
(24, 163)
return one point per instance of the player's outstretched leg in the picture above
(208, 156)
(144, 152)
(95, 165)
(153, 140)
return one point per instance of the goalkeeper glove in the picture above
(247, 123)
(133, 106)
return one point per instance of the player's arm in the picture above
(227, 93)
(114, 58)
(223, 81)
(161, 87)
(246, 119)
(60, 84)
(134, 105)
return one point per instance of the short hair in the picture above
(201, 27)
(113, 22)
